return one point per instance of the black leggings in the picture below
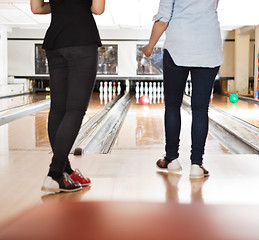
(72, 78)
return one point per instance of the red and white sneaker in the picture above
(61, 184)
(77, 176)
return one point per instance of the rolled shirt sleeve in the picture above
(165, 11)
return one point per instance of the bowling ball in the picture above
(233, 98)
(144, 100)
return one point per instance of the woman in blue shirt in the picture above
(193, 45)
(71, 44)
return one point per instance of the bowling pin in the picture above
(162, 92)
(150, 95)
(137, 87)
(158, 97)
(154, 86)
(162, 88)
(158, 92)
(119, 88)
(150, 89)
(158, 89)
(101, 87)
(141, 89)
(105, 88)
(146, 88)
(154, 92)
(110, 87)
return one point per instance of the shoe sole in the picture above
(171, 170)
(70, 190)
(59, 190)
(86, 185)
(198, 176)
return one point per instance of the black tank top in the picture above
(72, 24)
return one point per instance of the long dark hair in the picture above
(57, 1)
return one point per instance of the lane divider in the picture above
(9, 115)
(238, 136)
(99, 133)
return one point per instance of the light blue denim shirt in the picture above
(193, 34)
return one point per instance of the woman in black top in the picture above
(71, 44)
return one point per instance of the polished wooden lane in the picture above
(30, 132)
(244, 110)
(128, 175)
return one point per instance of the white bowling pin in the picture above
(105, 88)
(110, 87)
(154, 92)
(158, 90)
(162, 88)
(119, 88)
(154, 86)
(146, 88)
(150, 97)
(141, 89)
(137, 87)
(101, 87)
(150, 89)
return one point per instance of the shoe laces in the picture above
(68, 178)
(77, 171)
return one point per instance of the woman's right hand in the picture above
(147, 50)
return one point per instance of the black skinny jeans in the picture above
(175, 78)
(72, 78)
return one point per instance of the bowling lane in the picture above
(146, 124)
(30, 132)
(244, 110)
